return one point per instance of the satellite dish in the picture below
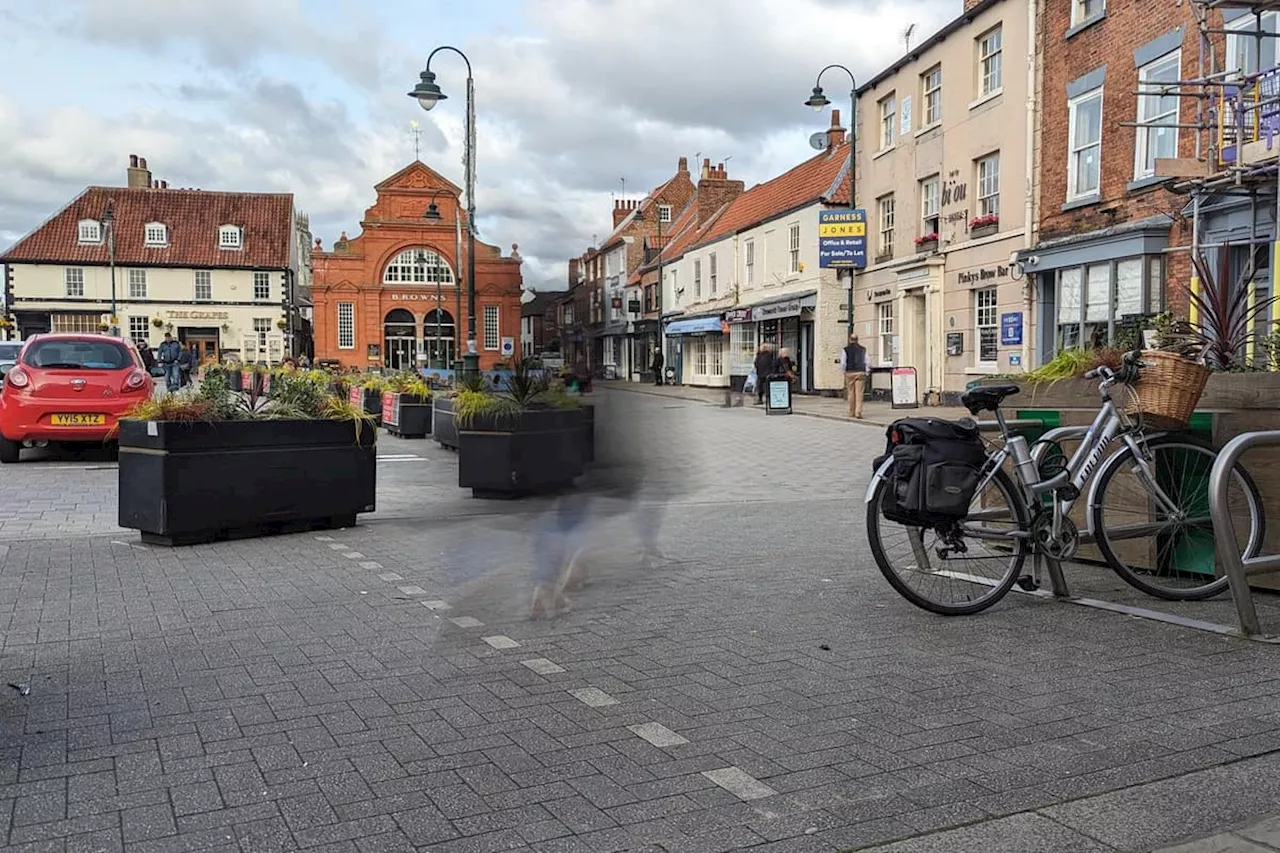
(818, 140)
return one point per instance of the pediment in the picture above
(345, 286)
(418, 176)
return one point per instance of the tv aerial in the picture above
(906, 36)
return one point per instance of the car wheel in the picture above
(9, 450)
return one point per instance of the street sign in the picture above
(508, 347)
(842, 239)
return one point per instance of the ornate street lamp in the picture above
(428, 94)
(819, 102)
(109, 234)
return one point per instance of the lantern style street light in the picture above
(109, 234)
(427, 93)
(818, 101)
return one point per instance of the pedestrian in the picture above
(304, 363)
(656, 365)
(148, 357)
(786, 366)
(168, 354)
(184, 367)
(853, 361)
(765, 366)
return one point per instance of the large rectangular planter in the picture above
(590, 428)
(444, 428)
(537, 451)
(367, 400)
(406, 415)
(185, 483)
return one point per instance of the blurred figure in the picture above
(765, 366)
(656, 365)
(786, 366)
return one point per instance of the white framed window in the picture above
(712, 274)
(884, 328)
(137, 284)
(989, 185)
(991, 61)
(492, 339)
(716, 345)
(87, 323)
(887, 208)
(204, 285)
(930, 205)
(230, 237)
(794, 242)
(750, 250)
(1157, 113)
(417, 266)
(139, 329)
(742, 347)
(90, 231)
(697, 279)
(700, 356)
(664, 213)
(1084, 158)
(261, 286)
(1094, 299)
(888, 121)
(346, 325)
(931, 87)
(986, 325)
(155, 234)
(73, 280)
(262, 327)
(1086, 10)
(1242, 56)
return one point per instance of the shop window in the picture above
(884, 321)
(261, 327)
(987, 326)
(1096, 301)
(700, 356)
(742, 347)
(717, 356)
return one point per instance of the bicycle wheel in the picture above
(943, 560)
(1164, 551)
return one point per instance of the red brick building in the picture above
(1111, 235)
(387, 295)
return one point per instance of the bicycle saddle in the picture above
(986, 398)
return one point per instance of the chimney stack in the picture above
(683, 167)
(715, 190)
(137, 176)
(835, 133)
(622, 209)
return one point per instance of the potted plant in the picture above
(927, 242)
(367, 395)
(210, 464)
(530, 437)
(406, 406)
(984, 226)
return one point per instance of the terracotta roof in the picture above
(192, 216)
(694, 233)
(823, 177)
(642, 207)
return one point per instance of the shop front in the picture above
(701, 349)
(786, 322)
(987, 321)
(897, 315)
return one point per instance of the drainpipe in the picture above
(1029, 182)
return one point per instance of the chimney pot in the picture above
(133, 161)
(684, 164)
(835, 118)
(142, 162)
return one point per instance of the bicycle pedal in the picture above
(1027, 583)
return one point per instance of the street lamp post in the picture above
(108, 226)
(819, 102)
(428, 94)
(432, 214)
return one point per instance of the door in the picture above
(806, 356)
(206, 346)
(399, 340)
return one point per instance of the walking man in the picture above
(168, 354)
(656, 365)
(765, 365)
(853, 361)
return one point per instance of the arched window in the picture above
(417, 266)
(399, 340)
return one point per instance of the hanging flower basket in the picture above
(282, 325)
(158, 323)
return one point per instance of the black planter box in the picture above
(444, 429)
(182, 483)
(537, 451)
(235, 380)
(406, 415)
(590, 428)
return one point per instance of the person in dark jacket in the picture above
(766, 366)
(169, 353)
(148, 357)
(656, 365)
(853, 361)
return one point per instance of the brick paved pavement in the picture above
(378, 689)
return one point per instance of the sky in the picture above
(308, 97)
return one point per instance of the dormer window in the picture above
(229, 237)
(157, 234)
(90, 231)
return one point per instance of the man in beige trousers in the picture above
(853, 361)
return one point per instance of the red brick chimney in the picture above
(622, 209)
(573, 271)
(835, 133)
(715, 190)
(683, 167)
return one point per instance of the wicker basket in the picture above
(1168, 389)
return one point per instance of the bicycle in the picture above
(1034, 505)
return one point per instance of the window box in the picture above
(927, 243)
(983, 226)
(321, 474)
(885, 258)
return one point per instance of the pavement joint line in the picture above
(390, 577)
(542, 666)
(658, 735)
(412, 589)
(593, 697)
(438, 604)
(338, 546)
(738, 782)
(501, 641)
(461, 621)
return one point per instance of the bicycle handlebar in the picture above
(1130, 365)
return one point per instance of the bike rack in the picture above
(1237, 567)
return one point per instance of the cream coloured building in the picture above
(216, 270)
(946, 174)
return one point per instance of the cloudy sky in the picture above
(307, 96)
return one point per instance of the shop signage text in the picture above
(984, 274)
(790, 308)
(881, 293)
(198, 315)
(842, 239)
(416, 297)
(953, 192)
(738, 315)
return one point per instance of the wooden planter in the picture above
(186, 483)
(984, 231)
(537, 451)
(406, 415)
(927, 246)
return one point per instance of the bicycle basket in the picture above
(1168, 389)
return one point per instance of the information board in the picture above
(842, 239)
(778, 398)
(905, 393)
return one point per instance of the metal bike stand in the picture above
(1226, 543)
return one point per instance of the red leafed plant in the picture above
(1224, 324)
(983, 221)
(927, 238)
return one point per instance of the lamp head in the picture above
(426, 92)
(817, 100)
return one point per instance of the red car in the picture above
(68, 388)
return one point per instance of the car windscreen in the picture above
(9, 352)
(77, 355)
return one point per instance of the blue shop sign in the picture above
(842, 239)
(1011, 329)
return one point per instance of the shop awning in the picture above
(694, 326)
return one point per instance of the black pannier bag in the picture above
(936, 464)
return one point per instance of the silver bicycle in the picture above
(1146, 514)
